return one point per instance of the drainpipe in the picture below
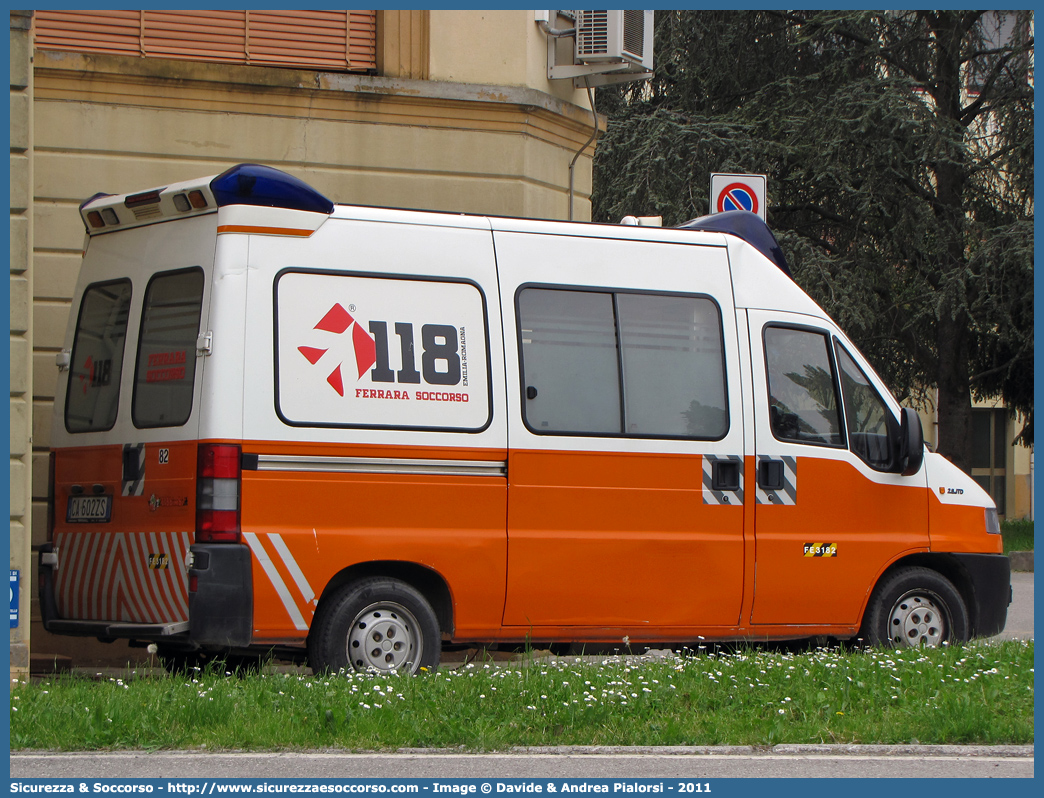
(556, 33)
(594, 135)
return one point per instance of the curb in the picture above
(1021, 560)
(783, 749)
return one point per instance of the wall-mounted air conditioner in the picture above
(616, 36)
(604, 47)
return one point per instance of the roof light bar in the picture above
(745, 225)
(94, 217)
(104, 213)
(254, 184)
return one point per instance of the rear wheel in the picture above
(376, 624)
(915, 607)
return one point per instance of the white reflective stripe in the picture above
(292, 566)
(276, 580)
(382, 465)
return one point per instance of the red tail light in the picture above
(50, 497)
(217, 493)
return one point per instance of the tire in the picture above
(376, 624)
(914, 607)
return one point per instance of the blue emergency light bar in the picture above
(745, 225)
(254, 184)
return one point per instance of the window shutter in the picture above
(362, 40)
(332, 40)
(195, 35)
(319, 39)
(116, 32)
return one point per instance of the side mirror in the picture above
(910, 451)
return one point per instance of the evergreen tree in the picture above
(899, 152)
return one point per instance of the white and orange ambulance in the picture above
(365, 433)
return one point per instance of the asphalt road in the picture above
(784, 761)
(1020, 612)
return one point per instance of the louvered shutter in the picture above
(336, 40)
(321, 39)
(195, 35)
(117, 32)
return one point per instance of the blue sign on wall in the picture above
(14, 598)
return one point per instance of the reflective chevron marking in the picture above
(277, 581)
(105, 576)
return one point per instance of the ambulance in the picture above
(356, 436)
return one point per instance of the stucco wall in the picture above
(21, 287)
(503, 47)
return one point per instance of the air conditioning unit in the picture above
(615, 37)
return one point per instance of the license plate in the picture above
(89, 509)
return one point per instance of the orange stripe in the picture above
(264, 231)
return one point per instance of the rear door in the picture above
(126, 424)
(624, 411)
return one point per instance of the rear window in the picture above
(166, 369)
(93, 394)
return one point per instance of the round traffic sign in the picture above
(737, 197)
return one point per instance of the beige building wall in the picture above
(21, 278)
(461, 118)
(486, 47)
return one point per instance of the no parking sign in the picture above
(738, 193)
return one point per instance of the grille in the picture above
(634, 32)
(592, 33)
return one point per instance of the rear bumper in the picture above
(101, 629)
(990, 579)
(221, 596)
(220, 608)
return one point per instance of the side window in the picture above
(93, 394)
(640, 365)
(866, 415)
(166, 367)
(803, 406)
(569, 361)
(673, 366)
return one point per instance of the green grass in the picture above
(1018, 535)
(981, 693)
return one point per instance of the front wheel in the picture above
(376, 624)
(915, 607)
